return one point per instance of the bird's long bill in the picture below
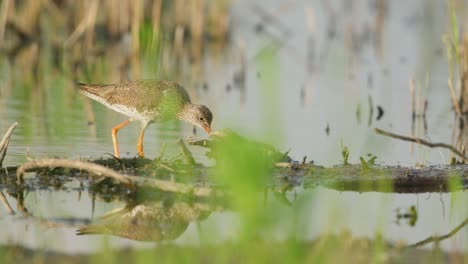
(208, 130)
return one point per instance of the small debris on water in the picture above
(380, 112)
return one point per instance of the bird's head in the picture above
(198, 115)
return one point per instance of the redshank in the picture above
(148, 101)
(148, 221)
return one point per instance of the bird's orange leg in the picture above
(114, 136)
(140, 143)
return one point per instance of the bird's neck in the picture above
(185, 113)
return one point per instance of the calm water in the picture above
(319, 211)
(324, 76)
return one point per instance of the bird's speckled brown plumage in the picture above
(143, 96)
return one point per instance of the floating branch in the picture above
(5, 141)
(94, 169)
(102, 171)
(422, 142)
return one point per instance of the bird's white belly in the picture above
(144, 117)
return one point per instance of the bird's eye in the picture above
(201, 118)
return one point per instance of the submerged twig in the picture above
(95, 169)
(422, 142)
(169, 186)
(5, 141)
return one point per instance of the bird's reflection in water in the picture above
(149, 221)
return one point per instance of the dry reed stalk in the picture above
(218, 19)
(463, 96)
(93, 7)
(58, 18)
(12, 7)
(179, 29)
(179, 42)
(156, 15)
(28, 16)
(453, 96)
(7, 205)
(5, 141)
(180, 12)
(137, 18)
(125, 7)
(310, 19)
(196, 28)
(5, 8)
(112, 16)
(464, 68)
(86, 24)
(27, 61)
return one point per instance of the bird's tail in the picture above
(88, 89)
(81, 86)
(89, 230)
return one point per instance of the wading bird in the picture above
(148, 101)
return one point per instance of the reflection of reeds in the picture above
(382, 10)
